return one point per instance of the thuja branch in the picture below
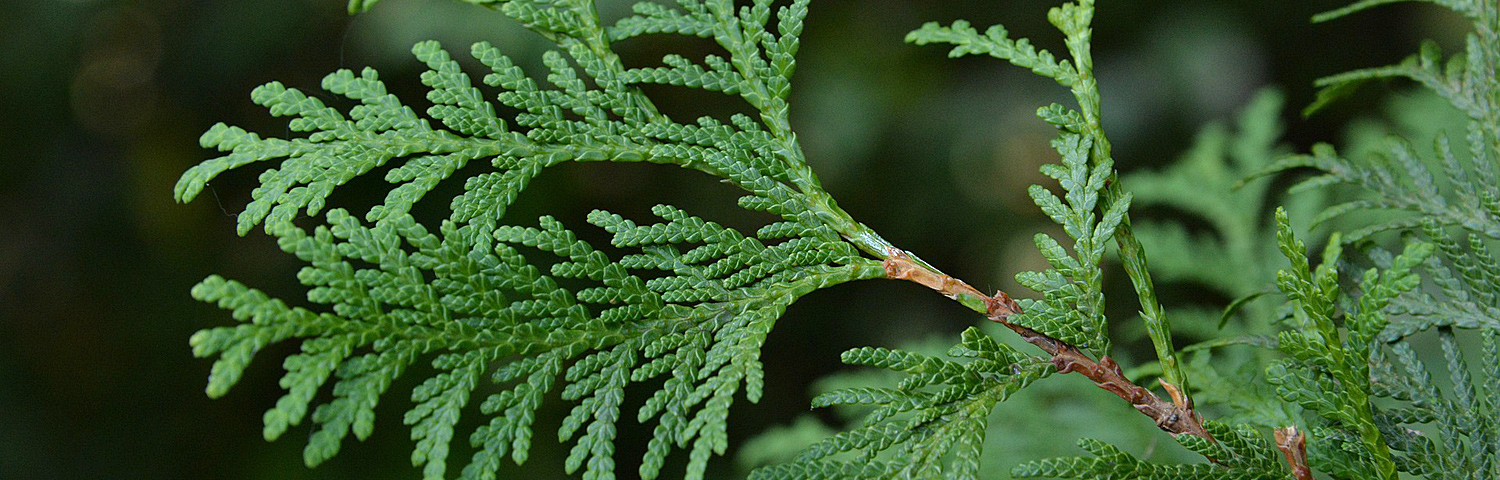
(1074, 20)
(1075, 23)
(1174, 416)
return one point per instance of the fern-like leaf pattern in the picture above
(932, 425)
(470, 295)
(511, 315)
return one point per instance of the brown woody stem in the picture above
(899, 265)
(1175, 416)
(1292, 444)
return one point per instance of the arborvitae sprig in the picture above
(1328, 369)
(467, 297)
(486, 310)
(1067, 323)
(1075, 21)
(1327, 372)
(1072, 309)
(932, 425)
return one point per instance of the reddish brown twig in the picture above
(900, 266)
(1175, 416)
(1291, 443)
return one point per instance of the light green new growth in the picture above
(1337, 366)
(1369, 440)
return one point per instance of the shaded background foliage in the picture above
(103, 100)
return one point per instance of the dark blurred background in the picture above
(103, 101)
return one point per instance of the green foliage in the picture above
(1238, 453)
(399, 292)
(1338, 378)
(1073, 307)
(1467, 440)
(1402, 177)
(468, 295)
(995, 42)
(512, 316)
(1328, 370)
(931, 425)
(1335, 366)
(1467, 294)
(1066, 409)
(1465, 80)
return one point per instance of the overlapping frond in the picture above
(1466, 443)
(1452, 183)
(1327, 371)
(931, 425)
(1239, 453)
(1337, 361)
(470, 297)
(399, 293)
